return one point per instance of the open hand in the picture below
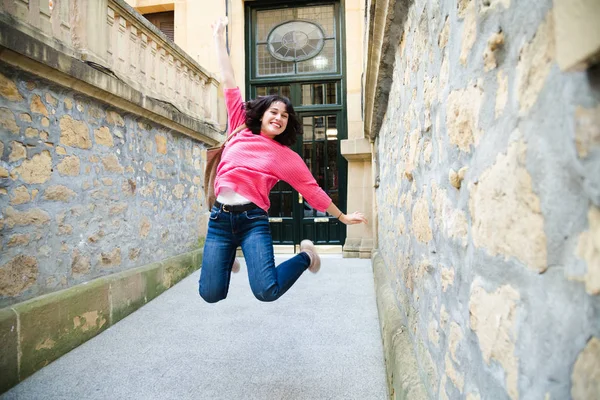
(219, 25)
(354, 218)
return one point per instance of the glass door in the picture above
(294, 50)
(292, 217)
(320, 151)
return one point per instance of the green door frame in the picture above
(295, 82)
(333, 232)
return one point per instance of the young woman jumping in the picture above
(251, 164)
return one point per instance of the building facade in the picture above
(305, 51)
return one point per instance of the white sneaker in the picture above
(315, 261)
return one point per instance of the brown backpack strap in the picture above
(213, 158)
(232, 134)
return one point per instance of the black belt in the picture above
(237, 208)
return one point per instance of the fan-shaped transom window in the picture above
(299, 40)
(295, 41)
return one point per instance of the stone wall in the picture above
(489, 203)
(86, 189)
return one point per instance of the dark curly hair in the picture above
(256, 108)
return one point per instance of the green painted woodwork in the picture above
(291, 218)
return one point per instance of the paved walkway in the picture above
(321, 340)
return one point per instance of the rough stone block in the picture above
(535, 62)
(493, 318)
(37, 106)
(59, 193)
(110, 259)
(7, 120)
(588, 249)
(9, 90)
(506, 212)
(9, 364)
(103, 137)
(114, 118)
(17, 275)
(502, 93)
(34, 216)
(469, 34)
(18, 152)
(36, 170)
(74, 133)
(69, 166)
(51, 100)
(495, 42)
(421, 227)
(462, 118)
(80, 263)
(111, 164)
(32, 133)
(586, 372)
(161, 144)
(55, 324)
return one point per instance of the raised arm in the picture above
(227, 77)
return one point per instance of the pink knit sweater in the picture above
(252, 164)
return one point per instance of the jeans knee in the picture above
(211, 297)
(266, 296)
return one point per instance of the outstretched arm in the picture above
(294, 171)
(350, 219)
(227, 77)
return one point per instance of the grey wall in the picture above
(489, 203)
(87, 190)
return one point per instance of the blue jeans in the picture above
(249, 229)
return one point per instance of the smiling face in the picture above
(274, 120)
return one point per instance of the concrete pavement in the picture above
(321, 340)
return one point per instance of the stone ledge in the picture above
(47, 327)
(403, 379)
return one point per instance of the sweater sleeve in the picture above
(294, 171)
(236, 115)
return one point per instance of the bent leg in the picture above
(268, 282)
(218, 257)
